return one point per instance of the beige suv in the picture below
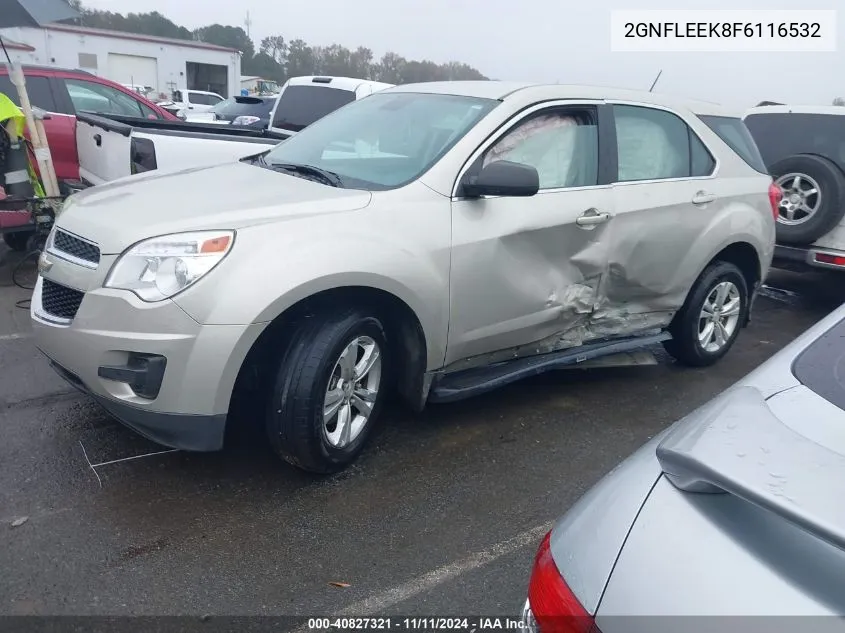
(435, 240)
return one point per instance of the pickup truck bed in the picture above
(115, 147)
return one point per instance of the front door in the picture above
(526, 270)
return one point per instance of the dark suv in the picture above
(248, 111)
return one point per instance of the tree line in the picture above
(277, 58)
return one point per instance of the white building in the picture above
(159, 63)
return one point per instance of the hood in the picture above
(230, 196)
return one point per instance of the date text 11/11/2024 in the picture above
(419, 624)
(723, 30)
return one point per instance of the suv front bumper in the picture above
(150, 365)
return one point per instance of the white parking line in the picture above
(380, 601)
(13, 337)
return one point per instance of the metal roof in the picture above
(172, 41)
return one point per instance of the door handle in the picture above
(702, 197)
(591, 217)
(98, 140)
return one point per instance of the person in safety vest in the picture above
(17, 177)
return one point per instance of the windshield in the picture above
(240, 106)
(385, 140)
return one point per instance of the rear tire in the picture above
(18, 240)
(814, 195)
(317, 411)
(712, 316)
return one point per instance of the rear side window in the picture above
(736, 136)
(702, 162)
(300, 106)
(657, 145)
(38, 88)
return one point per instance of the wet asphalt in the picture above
(241, 533)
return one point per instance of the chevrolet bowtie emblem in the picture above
(44, 264)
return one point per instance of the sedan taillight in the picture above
(552, 607)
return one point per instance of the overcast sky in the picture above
(532, 40)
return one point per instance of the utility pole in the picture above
(247, 23)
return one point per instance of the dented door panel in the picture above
(525, 276)
(654, 250)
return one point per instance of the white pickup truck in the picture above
(112, 148)
(303, 100)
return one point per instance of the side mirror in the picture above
(503, 178)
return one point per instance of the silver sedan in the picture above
(736, 510)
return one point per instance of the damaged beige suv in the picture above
(435, 241)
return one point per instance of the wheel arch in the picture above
(744, 256)
(403, 328)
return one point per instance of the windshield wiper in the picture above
(329, 177)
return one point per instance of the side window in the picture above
(702, 162)
(562, 145)
(147, 112)
(89, 96)
(38, 88)
(653, 144)
(201, 99)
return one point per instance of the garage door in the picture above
(132, 69)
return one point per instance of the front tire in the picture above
(710, 320)
(328, 391)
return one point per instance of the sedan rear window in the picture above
(734, 133)
(237, 106)
(821, 367)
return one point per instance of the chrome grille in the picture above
(59, 300)
(72, 245)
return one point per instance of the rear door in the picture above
(664, 198)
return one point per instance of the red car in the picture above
(63, 93)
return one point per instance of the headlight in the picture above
(160, 267)
(245, 120)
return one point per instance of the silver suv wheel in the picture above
(352, 391)
(802, 198)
